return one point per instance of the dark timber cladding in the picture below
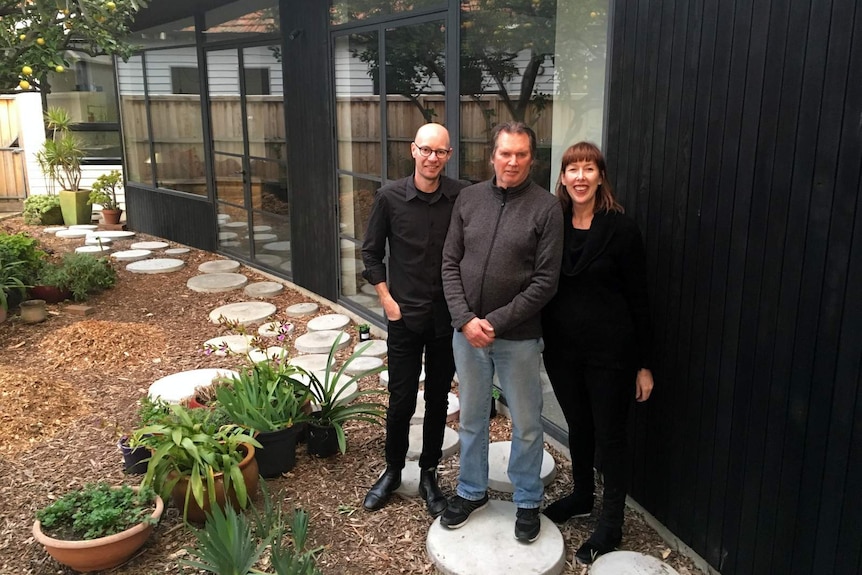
(735, 139)
(183, 218)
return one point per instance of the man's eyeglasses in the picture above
(425, 151)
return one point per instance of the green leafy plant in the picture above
(97, 510)
(191, 443)
(37, 208)
(232, 544)
(10, 281)
(61, 155)
(22, 247)
(82, 274)
(334, 400)
(266, 396)
(104, 190)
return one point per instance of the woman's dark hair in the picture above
(588, 152)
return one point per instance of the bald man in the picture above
(413, 214)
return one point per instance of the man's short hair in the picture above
(515, 128)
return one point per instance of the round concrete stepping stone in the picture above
(178, 386)
(225, 344)
(286, 266)
(328, 322)
(95, 241)
(215, 283)
(156, 266)
(261, 229)
(71, 233)
(230, 244)
(222, 218)
(273, 352)
(54, 229)
(301, 309)
(409, 479)
(311, 361)
(486, 544)
(225, 236)
(277, 247)
(368, 289)
(263, 237)
(453, 408)
(244, 312)
(263, 289)
(320, 341)
(268, 259)
(363, 363)
(177, 251)
(149, 246)
(218, 267)
(235, 225)
(363, 300)
(92, 249)
(88, 227)
(384, 376)
(498, 465)
(113, 234)
(131, 255)
(275, 328)
(451, 442)
(372, 347)
(630, 563)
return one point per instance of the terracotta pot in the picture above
(33, 310)
(111, 217)
(102, 553)
(50, 294)
(196, 514)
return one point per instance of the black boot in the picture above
(603, 540)
(435, 501)
(380, 491)
(572, 505)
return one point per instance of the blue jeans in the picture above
(516, 364)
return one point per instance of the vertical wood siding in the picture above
(735, 140)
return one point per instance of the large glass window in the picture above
(345, 11)
(136, 141)
(244, 20)
(86, 88)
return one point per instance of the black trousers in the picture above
(595, 402)
(405, 364)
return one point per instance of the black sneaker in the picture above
(459, 509)
(527, 525)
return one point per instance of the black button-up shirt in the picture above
(415, 224)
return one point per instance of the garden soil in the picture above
(69, 387)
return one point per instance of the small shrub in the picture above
(82, 274)
(22, 248)
(97, 510)
(35, 208)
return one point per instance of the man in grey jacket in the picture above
(501, 264)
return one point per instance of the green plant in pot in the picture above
(60, 161)
(270, 399)
(335, 392)
(98, 526)
(198, 462)
(81, 275)
(42, 210)
(104, 192)
(10, 284)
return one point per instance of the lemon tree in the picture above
(34, 34)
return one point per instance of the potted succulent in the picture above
(98, 526)
(334, 393)
(75, 275)
(197, 462)
(364, 331)
(104, 192)
(60, 161)
(269, 398)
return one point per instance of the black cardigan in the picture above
(600, 313)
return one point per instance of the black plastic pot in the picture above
(134, 460)
(279, 451)
(322, 440)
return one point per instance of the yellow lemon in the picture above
(59, 69)
(110, 6)
(22, 37)
(25, 85)
(27, 70)
(40, 41)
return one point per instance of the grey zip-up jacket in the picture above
(501, 260)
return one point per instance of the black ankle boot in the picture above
(382, 489)
(603, 540)
(435, 501)
(572, 505)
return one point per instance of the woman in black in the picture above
(597, 341)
